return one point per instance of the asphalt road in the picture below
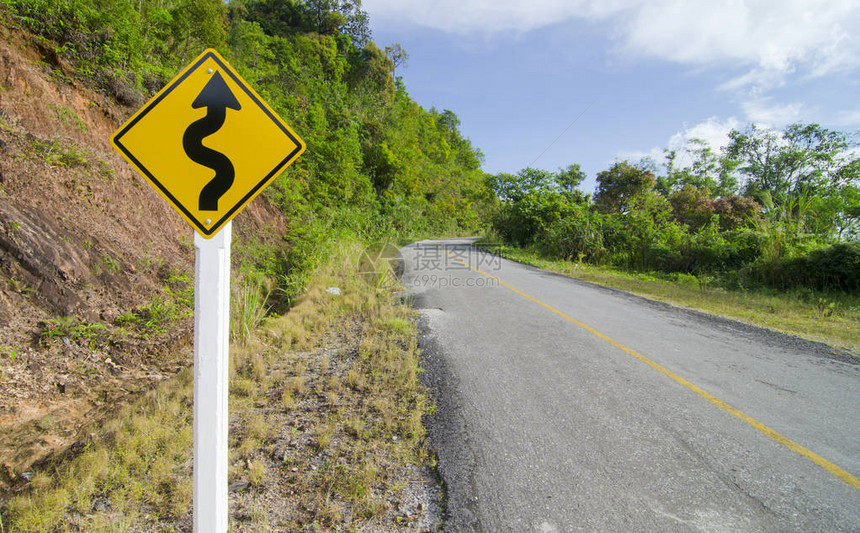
(656, 419)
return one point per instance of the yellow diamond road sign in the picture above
(208, 143)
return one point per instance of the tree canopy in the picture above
(773, 207)
(618, 186)
(371, 148)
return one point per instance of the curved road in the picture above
(563, 406)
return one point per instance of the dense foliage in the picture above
(779, 208)
(377, 164)
(775, 208)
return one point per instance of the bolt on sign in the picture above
(208, 143)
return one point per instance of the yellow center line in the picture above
(840, 473)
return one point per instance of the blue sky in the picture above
(643, 75)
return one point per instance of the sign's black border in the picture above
(265, 181)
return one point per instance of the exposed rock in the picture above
(48, 257)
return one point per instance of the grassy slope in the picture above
(325, 429)
(831, 319)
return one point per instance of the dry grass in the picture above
(829, 318)
(132, 470)
(325, 429)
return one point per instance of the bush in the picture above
(668, 259)
(126, 48)
(835, 268)
(578, 237)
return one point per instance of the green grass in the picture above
(833, 319)
(55, 153)
(70, 327)
(162, 311)
(248, 308)
(67, 116)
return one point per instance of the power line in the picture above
(565, 131)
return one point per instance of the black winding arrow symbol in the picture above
(216, 98)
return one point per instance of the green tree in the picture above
(447, 119)
(197, 24)
(335, 16)
(618, 186)
(250, 45)
(836, 214)
(531, 204)
(383, 166)
(357, 24)
(706, 170)
(512, 188)
(570, 178)
(692, 206)
(737, 211)
(280, 18)
(398, 56)
(796, 164)
(374, 69)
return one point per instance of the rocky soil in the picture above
(96, 273)
(83, 241)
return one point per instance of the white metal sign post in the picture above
(209, 145)
(211, 379)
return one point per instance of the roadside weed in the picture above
(69, 117)
(324, 401)
(72, 329)
(831, 318)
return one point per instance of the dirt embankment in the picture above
(95, 267)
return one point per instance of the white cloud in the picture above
(762, 111)
(847, 117)
(756, 79)
(713, 131)
(771, 37)
(492, 16)
(655, 153)
(772, 41)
